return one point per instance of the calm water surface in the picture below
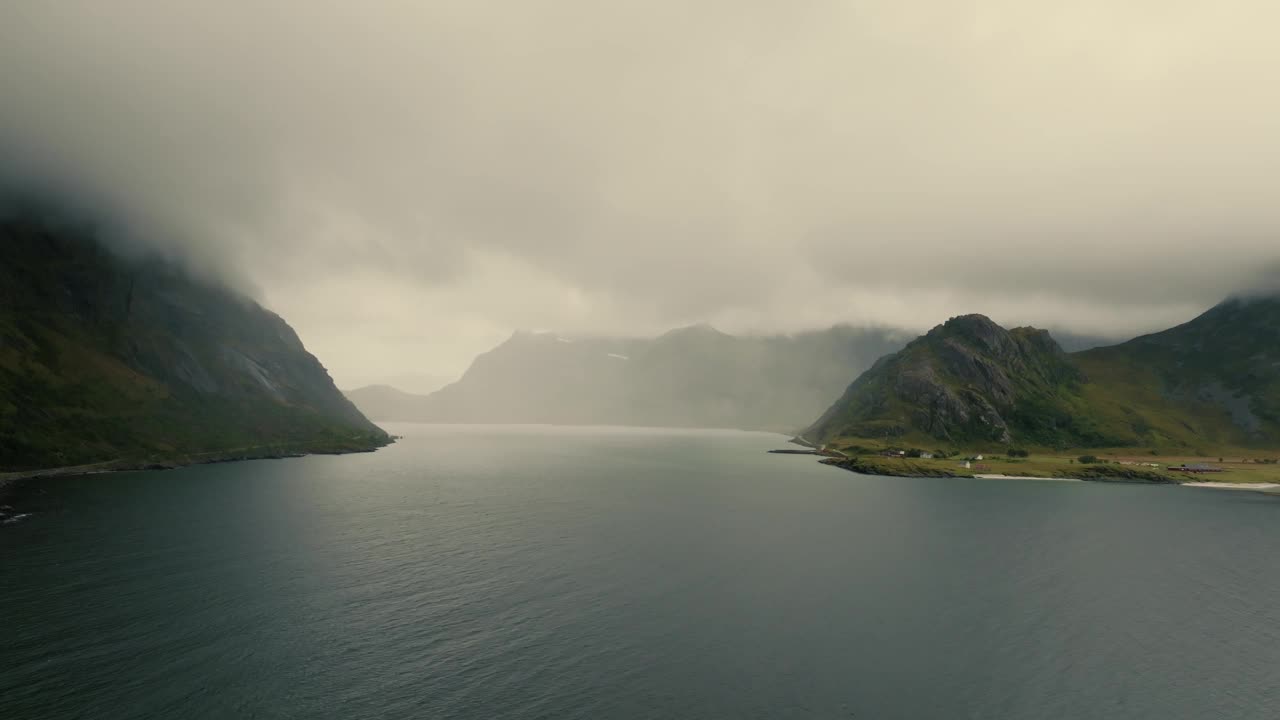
(579, 573)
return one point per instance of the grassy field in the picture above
(1116, 463)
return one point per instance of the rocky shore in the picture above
(891, 467)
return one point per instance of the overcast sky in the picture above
(408, 182)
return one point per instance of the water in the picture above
(568, 573)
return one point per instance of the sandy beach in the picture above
(992, 476)
(1233, 486)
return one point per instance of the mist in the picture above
(407, 183)
(695, 376)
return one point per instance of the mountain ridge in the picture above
(1212, 380)
(693, 376)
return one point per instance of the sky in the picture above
(408, 182)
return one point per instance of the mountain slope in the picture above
(103, 358)
(967, 380)
(695, 376)
(1214, 381)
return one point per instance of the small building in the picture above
(1196, 468)
(926, 456)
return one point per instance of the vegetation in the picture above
(1117, 473)
(897, 468)
(1208, 388)
(107, 359)
(1112, 464)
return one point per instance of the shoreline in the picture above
(861, 467)
(10, 481)
(998, 476)
(1263, 487)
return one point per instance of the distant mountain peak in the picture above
(972, 328)
(378, 390)
(690, 376)
(374, 386)
(702, 329)
(526, 337)
(973, 322)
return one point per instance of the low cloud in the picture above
(407, 182)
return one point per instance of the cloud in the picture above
(407, 182)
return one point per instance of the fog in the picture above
(695, 376)
(406, 183)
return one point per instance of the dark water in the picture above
(537, 573)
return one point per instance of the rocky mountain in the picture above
(966, 380)
(108, 358)
(694, 376)
(1214, 381)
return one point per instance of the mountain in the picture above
(1214, 381)
(104, 357)
(385, 403)
(418, 383)
(967, 380)
(694, 376)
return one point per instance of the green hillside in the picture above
(1211, 383)
(103, 358)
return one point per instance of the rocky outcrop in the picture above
(966, 380)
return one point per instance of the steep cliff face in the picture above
(103, 357)
(695, 376)
(966, 380)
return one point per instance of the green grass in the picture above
(1239, 466)
(892, 467)
(1126, 399)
